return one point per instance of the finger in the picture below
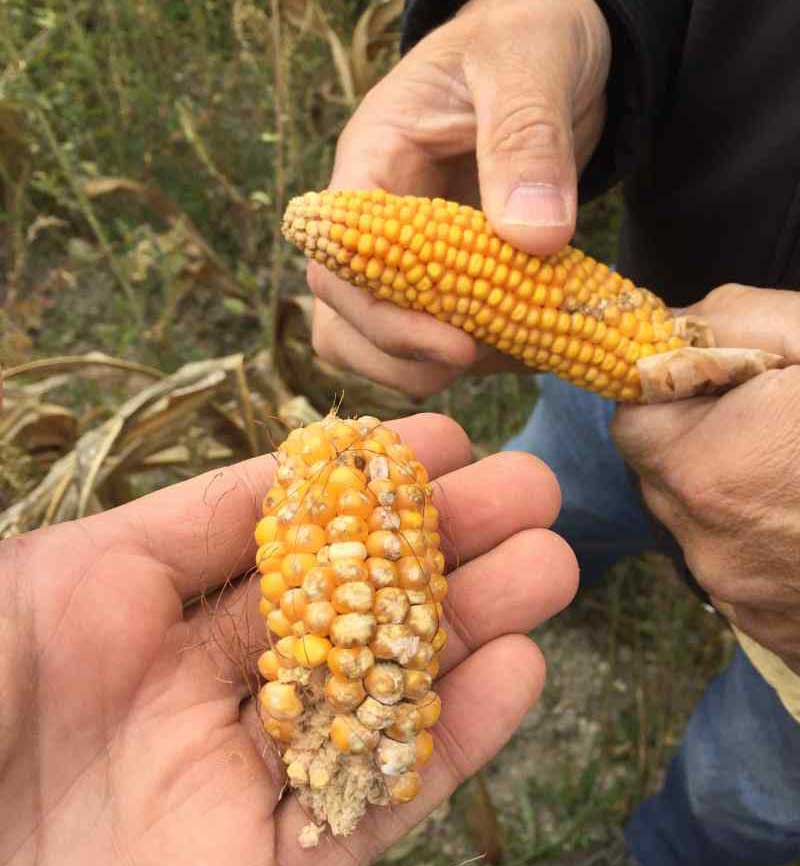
(647, 435)
(753, 318)
(202, 529)
(511, 589)
(777, 632)
(525, 146)
(489, 501)
(343, 344)
(483, 701)
(393, 330)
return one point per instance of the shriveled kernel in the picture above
(318, 583)
(344, 695)
(391, 605)
(394, 757)
(375, 715)
(350, 663)
(351, 737)
(423, 748)
(395, 642)
(346, 570)
(412, 573)
(407, 723)
(268, 665)
(430, 708)
(347, 527)
(423, 620)
(382, 573)
(353, 629)
(283, 731)
(280, 700)
(318, 617)
(385, 682)
(404, 788)
(385, 544)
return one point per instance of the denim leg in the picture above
(601, 513)
(732, 794)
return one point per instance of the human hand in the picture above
(508, 96)
(722, 473)
(127, 729)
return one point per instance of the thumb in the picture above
(753, 318)
(525, 148)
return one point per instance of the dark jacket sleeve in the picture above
(647, 38)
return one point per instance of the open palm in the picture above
(128, 734)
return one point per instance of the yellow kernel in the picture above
(311, 651)
(268, 665)
(305, 538)
(281, 701)
(266, 530)
(350, 663)
(403, 788)
(273, 586)
(351, 737)
(430, 708)
(424, 747)
(342, 694)
(293, 604)
(279, 623)
(318, 617)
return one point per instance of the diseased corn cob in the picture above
(352, 586)
(567, 314)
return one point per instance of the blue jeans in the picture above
(732, 793)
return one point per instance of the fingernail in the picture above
(536, 204)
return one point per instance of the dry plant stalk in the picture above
(352, 586)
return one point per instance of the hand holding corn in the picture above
(508, 97)
(130, 726)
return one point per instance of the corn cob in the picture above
(352, 587)
(567, 313)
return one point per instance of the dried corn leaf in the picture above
(372, 31)
(215, 267)
(143, 425)
(36, 426)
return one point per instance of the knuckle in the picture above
(321, 341)
(530, 127)
(722, 296)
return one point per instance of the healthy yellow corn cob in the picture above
(567, 313)
(352, 586)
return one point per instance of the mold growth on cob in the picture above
(567, 313)
(352, 586)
